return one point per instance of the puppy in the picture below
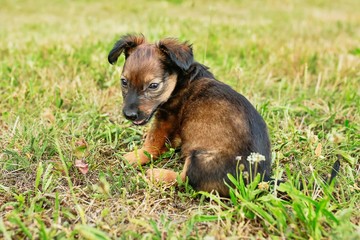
(217, 128)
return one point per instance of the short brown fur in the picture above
(217, 127)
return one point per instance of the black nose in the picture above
(130, 114)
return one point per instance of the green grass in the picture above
(298, 62)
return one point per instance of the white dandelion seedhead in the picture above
(255, 158)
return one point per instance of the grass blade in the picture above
(6, 235)
(16, 220)
(39, 172)
(91, 233)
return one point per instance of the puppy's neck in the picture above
(198, 71)
(184, 88)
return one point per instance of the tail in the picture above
(335, 170)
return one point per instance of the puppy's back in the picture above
(218, 125)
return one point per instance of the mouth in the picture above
(144, 121)
(141, 122)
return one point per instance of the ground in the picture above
(298, 62)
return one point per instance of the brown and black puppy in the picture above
(216, 127)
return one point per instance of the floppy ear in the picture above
(126, 44)
(177, 53)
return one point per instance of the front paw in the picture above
(137, 157)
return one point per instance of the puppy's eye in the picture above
(154, 86)
(124, 82)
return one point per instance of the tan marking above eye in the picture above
(149, 78)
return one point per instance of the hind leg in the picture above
(161, 175)
(165, 175)
(208, 171)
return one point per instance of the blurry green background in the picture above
(298, 62)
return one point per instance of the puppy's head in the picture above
(150, 73)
